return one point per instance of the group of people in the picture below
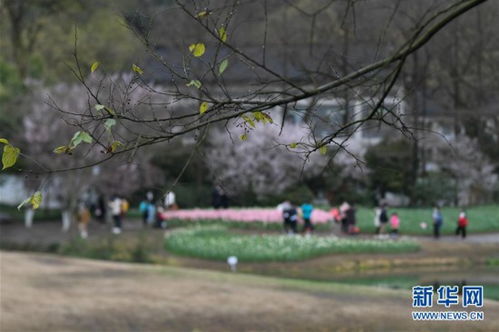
(345, 215)
(438, 221)
(381, 221)
(117, 207)
(386, 224)
(152, 213)
(291, 215)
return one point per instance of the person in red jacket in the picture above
(462, 222)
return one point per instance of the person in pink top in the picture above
(394, 224)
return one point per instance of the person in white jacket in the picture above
(115, 206)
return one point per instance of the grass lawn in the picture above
(481, 219)
(216, 242)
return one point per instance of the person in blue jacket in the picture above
(306, 210)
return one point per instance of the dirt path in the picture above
(51, 293)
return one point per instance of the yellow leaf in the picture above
(293, 145)
(203, 107)
(267, 118)
(94, 66)
(195, 83)
(258, 116)
(115, 145)
(197, 49)
(100, 107)
(323, 150)
(36, 200)
(248, 120)
(202, 13)
(222, 34)
(137, 69)
(243, 137)
(4, 141)
(9, 156)
(62, 149)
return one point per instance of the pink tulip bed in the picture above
(240, 215)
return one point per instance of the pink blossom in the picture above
(244, 215)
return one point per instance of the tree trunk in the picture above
(28, 217)
(66, 220)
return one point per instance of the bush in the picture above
(109, 248)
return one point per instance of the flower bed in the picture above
(216, 242)
(245, 215)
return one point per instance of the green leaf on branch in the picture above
(222, 34)
(197, 49)
(137, 69)
(79, 137)
(9, 156)
(35, 200)
(223, 65)
(323, 150)
(293, 145)
(94, 66)
(248, 120)
(100, 107)
(195, 83)
(4, 141)
(62, 149)
(261, 116)
(243, 137)
(109, 123)
(203, 107)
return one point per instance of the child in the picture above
(394, 224)
(462, 222)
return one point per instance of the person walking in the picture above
(170, 203)
(438, 221)
(84, 217)
(351, 221)
(145, 209)
(383, 220)
(116, 213)
(306, 210)
(462, 223)
(290, 216)
(394, 225)
(377, 222)
(344, 207)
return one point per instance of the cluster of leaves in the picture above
(9, 159)
(79, 137)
